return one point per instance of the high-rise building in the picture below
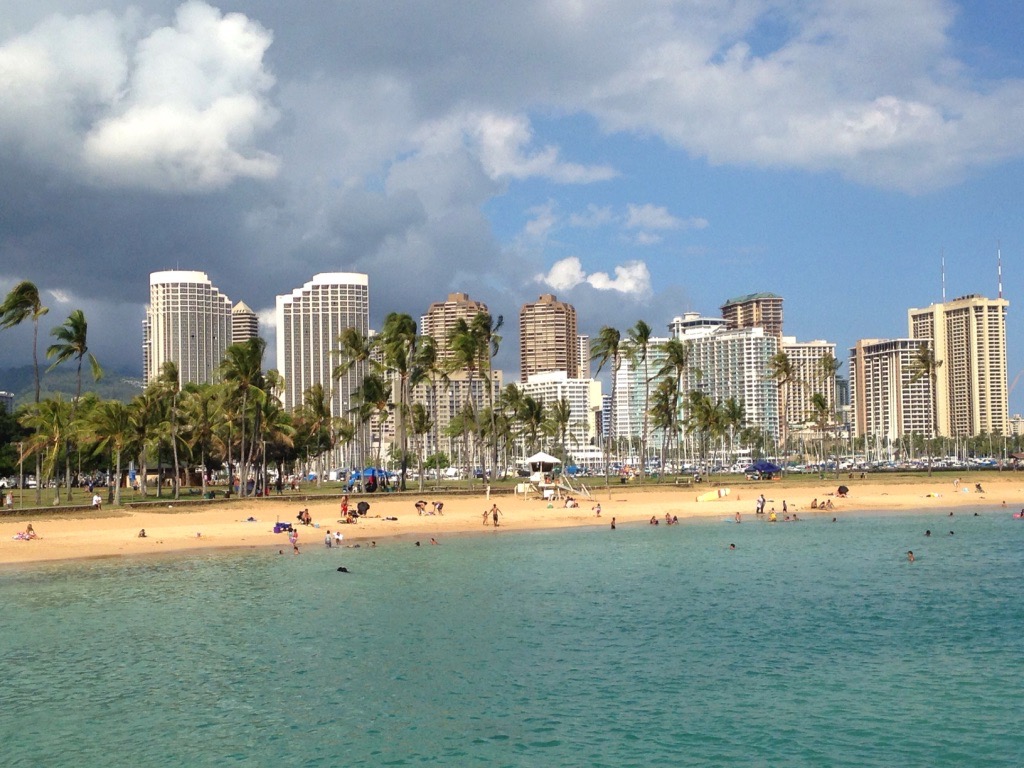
(245, 324)
(548, 340)
(446, 396)
(309, 321)
(887, 398)
(755, 310)
(584, 398)
(7, 401)
(188, 322)
(584, 353)
(968, 336)
(634, 381)
(733, 363)
(442, 316)
(808, 379)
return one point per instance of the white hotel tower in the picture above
(309, 321)
(188, 322)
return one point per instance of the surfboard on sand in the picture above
(719, 493)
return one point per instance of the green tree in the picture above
(242, 370)
(355, 353)
(677, 364)
(559, 415)
(608, 346)
(372, 400)
(110, 423)
(780, 370)
(925, 365)
(639, 348)
(22, 304)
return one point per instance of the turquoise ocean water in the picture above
(810, 644)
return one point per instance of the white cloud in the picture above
(712, 83)
(178, 109)
(650, 217)
(504, 143)
(632, 278)
(595, 216)
(542, 222)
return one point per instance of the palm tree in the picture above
(421, 426)
(315, 415)
(780, 370)
(356, 351)
(926, 366)
(399, 343)
(203, 415)
(21, 304)
(821, 414)
(372, 400)
(464, 346)
(607, 346)
(531, 419)
(486, 329)
(677, 364)
(110, 424)
(49, 421)
(242, 368)
(72, 343)
(640, 342)
(734, 415)
(664, 414)
(559, 415)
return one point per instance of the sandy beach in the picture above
(176, 527)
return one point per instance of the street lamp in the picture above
(21, 475)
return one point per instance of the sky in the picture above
(639, 159)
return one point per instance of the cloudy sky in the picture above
(637, 158)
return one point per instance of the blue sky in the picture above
(638, 159)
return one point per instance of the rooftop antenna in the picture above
(999, 266)
(943, 259)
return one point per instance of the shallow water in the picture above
(811, 644)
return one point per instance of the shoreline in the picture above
(225, 526)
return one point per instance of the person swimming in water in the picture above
(910, 556)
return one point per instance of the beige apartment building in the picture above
(755, 310)
(548, 338)
(968, 335)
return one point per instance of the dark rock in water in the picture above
(342, 569)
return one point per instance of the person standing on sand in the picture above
(613, 523)
(494, 514)
(328, 540)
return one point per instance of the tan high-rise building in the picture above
(548, 340)
(755, 310)
(885, 399)
(188, 322)
(444, 397)
(808, 379)
(442, 316)
(245, 324)
(968, 335)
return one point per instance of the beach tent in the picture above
(540, 464)
(543, 462)
(764, 467)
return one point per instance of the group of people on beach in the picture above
(436, 507)
(669, 519)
